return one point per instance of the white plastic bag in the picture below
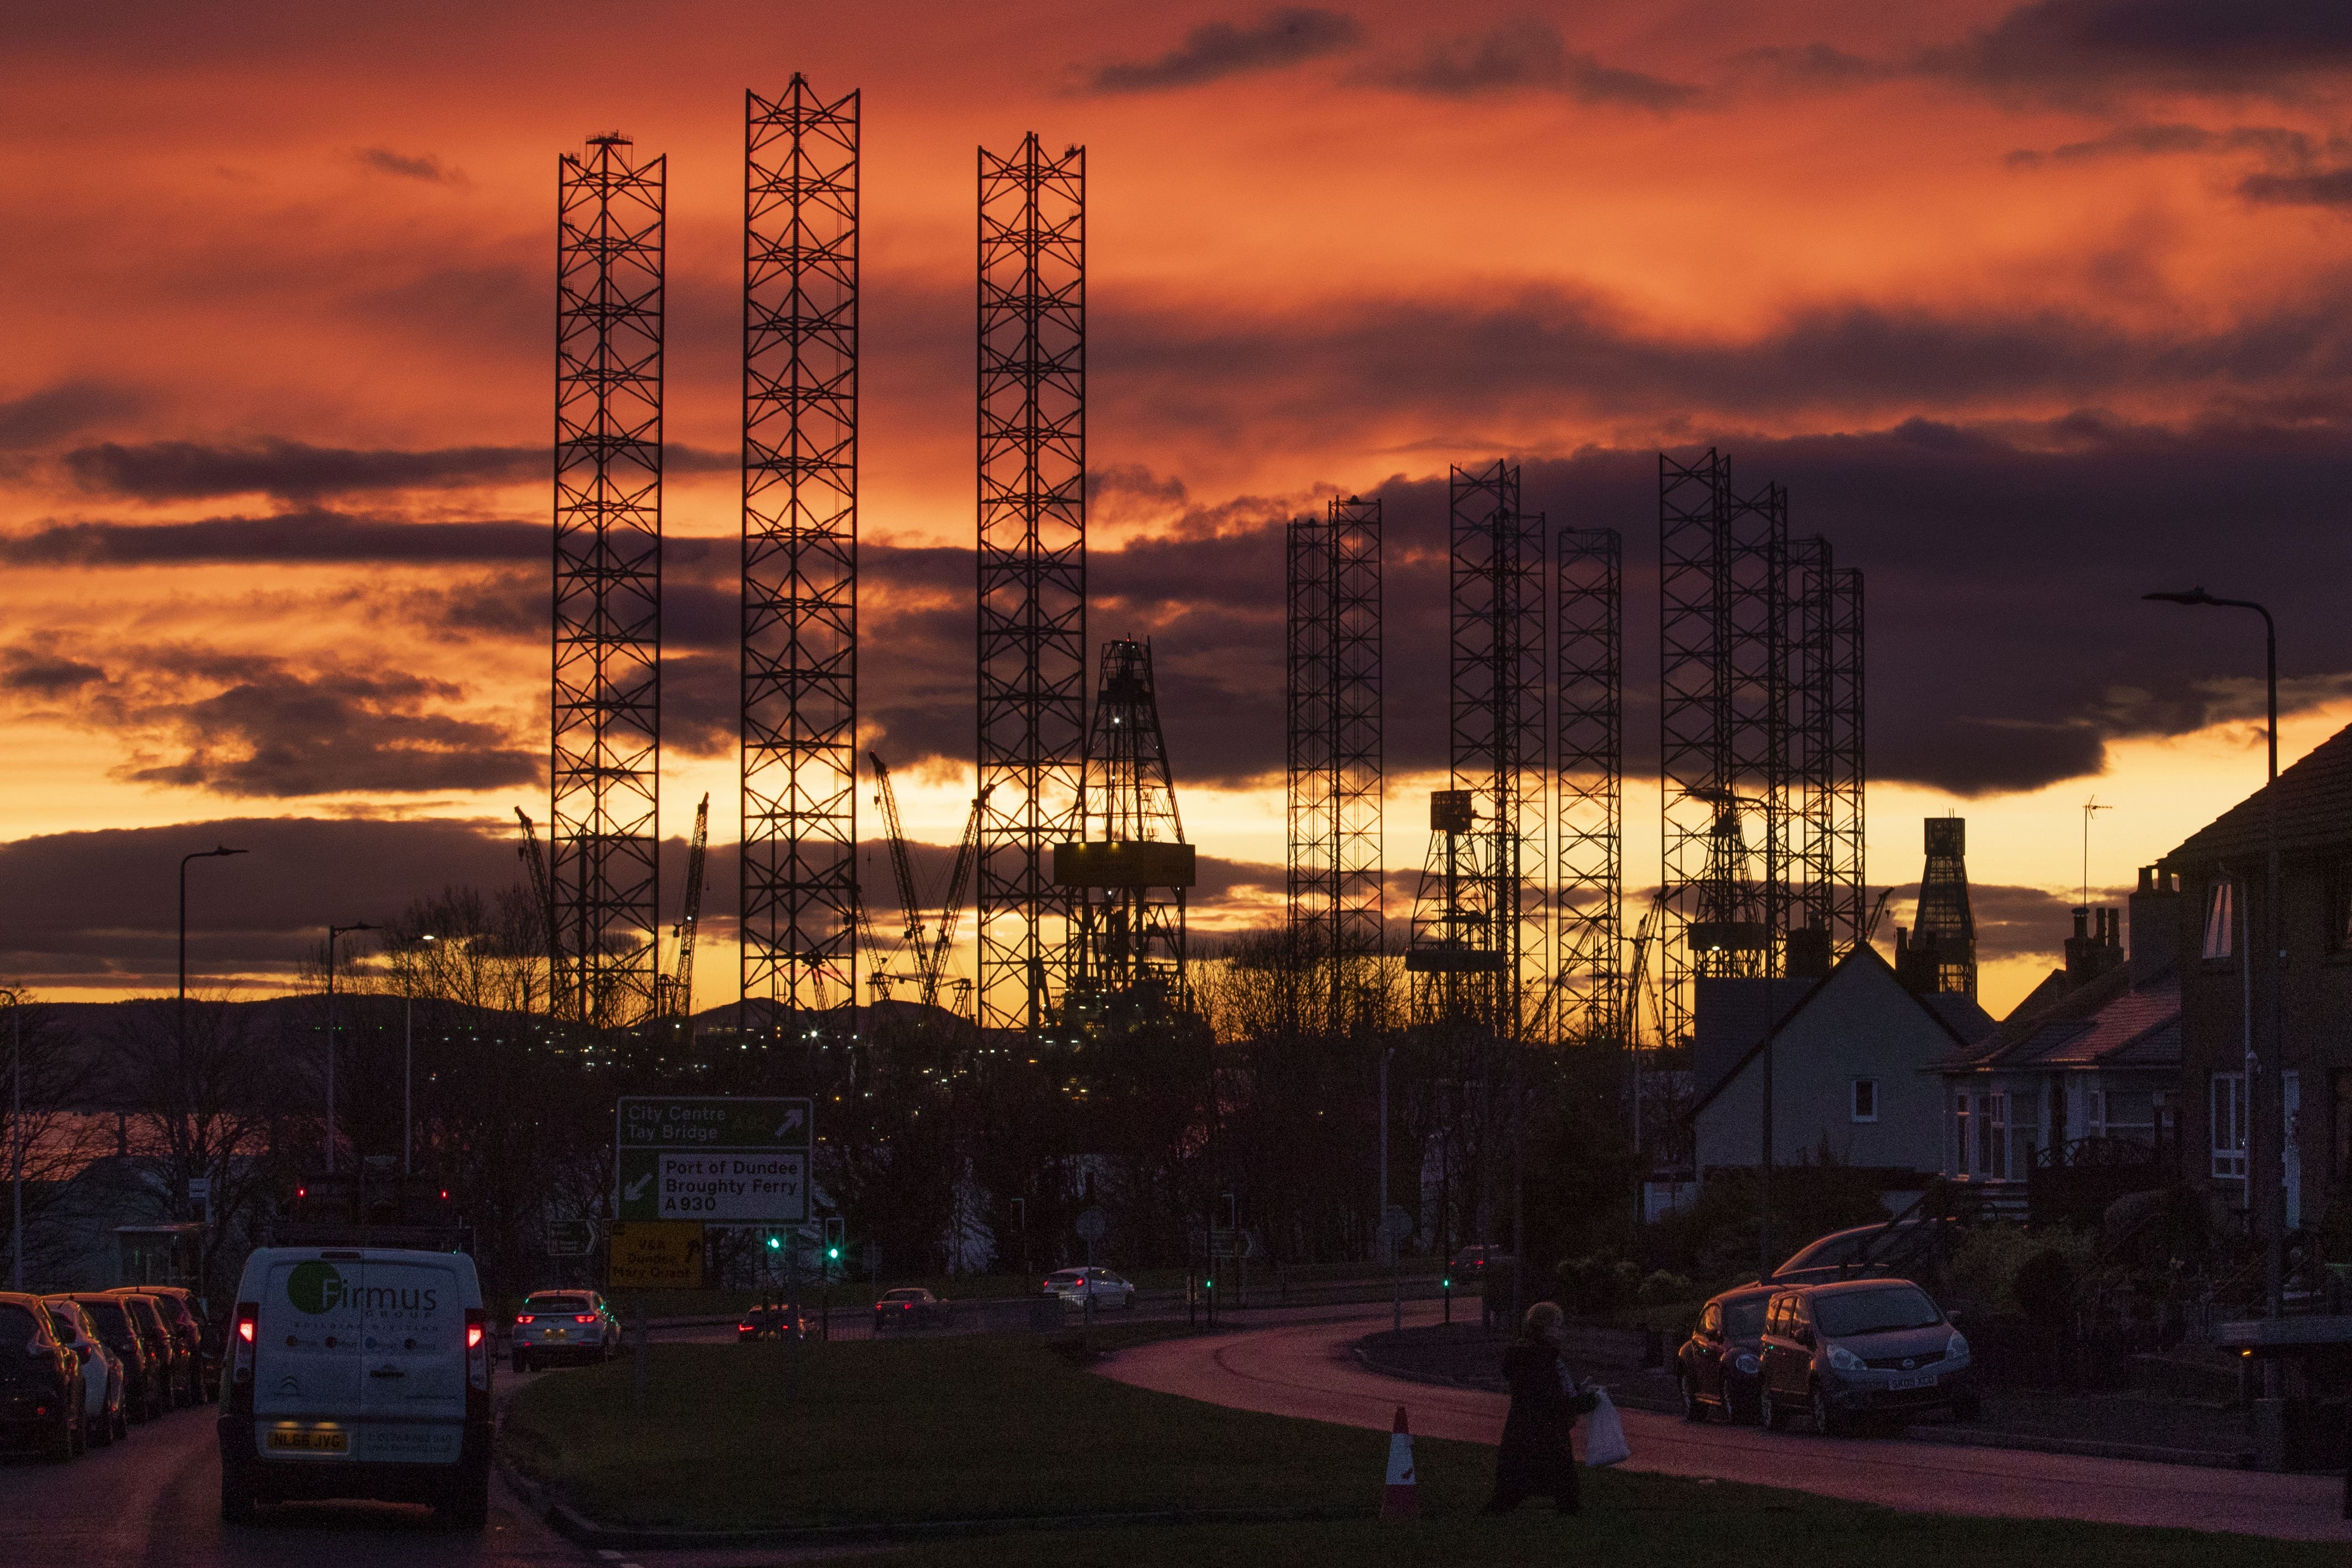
(1604, 1434)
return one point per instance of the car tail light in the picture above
(585, 1318)
(523, 1317)
(478, 1351)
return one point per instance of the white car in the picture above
(559, 1325)
(103, 1417)
(1080, 1286)
(358, 1372)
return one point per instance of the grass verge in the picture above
(1005, 1427)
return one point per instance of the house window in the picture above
(1866, 1100)
(2221, 920)
(1992, 1136)
(2229, 1126)
(1961, 1127)
(2127, 1115)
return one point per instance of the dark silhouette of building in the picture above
(1938, 953)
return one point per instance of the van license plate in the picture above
(1926, 1381)
(311, 1442)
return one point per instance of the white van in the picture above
(358, 1373)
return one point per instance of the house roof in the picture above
(2315, 811)
(2108, 1020)
(1767, 1028)
(1960, 1014)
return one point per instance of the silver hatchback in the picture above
(564, 1325)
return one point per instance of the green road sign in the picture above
(713, 1161)
(570, 1237)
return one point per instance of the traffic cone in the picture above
(1401, 1498)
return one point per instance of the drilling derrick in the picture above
(604, 850)
(1032, 571)
(798, 873)
(1490, 900)
(1589, 882)
(1128, 872)
(1314, 681)
(1824, 758)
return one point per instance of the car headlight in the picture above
(1844, 1360)
(1747, 1363)
(1956, 1348)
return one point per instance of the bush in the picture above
(2044, 1289)
(1662, 1288)
(1598, 1285)
(1984, 1268)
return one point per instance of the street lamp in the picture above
(408, 1067)
(17, 1137)
(2265, 1188)
(334, 934)
(182, 1025)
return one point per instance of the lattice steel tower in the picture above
(1824, 757)
(800, 556)
(1589, 880)
(605, 778)
(1033, 568)
(1336, 906)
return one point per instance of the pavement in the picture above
(1308, 1368)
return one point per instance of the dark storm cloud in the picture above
(2320, 188)
(1527, 55)
(45, 674)
(298, 471)
(309, 536)
(1285, 36)
(1476, 359)
(2158, 140)
(266, 728)
(702, 700)
(402, 165)
(2071, 46)
(41, 416)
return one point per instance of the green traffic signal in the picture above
(1208, 1284)
(833, 1254)
(1446, 1283)
(774, 1242)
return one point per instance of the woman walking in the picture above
(1537, 1458)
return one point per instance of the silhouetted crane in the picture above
(679, 1000)
(541, 888)
(958, 879)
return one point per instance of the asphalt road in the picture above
(1304, 1369)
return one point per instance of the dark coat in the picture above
(1537, 1457)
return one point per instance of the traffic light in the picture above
(835, 1235)
(775, 1242)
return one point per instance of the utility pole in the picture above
(17, 1137)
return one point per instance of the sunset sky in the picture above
(2033, 308)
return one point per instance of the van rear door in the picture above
(413, 1333)
(307, 1359)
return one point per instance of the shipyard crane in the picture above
(967, 851)
(544, 891)
(902, 869)
(679, 1000)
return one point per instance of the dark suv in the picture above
(1719, 1367)
(1863, 1349)
(40, 1384)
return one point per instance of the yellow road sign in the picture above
(649, 1254)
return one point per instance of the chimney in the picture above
(2156, 938)
(2094, 947)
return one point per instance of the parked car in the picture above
(910, 1308)
(1861, 1252)
(184, 1312)
(564, 1325)
(176, 1363)
(101, 1373)
(173, 1306)
(40, 1384)
(1862, 1350)
(1080, 1286)
(358, 1373)
(1719, 1367)
(774, 1323)
(146, 1390)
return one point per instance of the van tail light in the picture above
(248, 1322)
(477, 1348)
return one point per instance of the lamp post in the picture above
(2265, 1186)
(334, 934)
(408, 1068)
(16, 1136)
(180, 1025)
